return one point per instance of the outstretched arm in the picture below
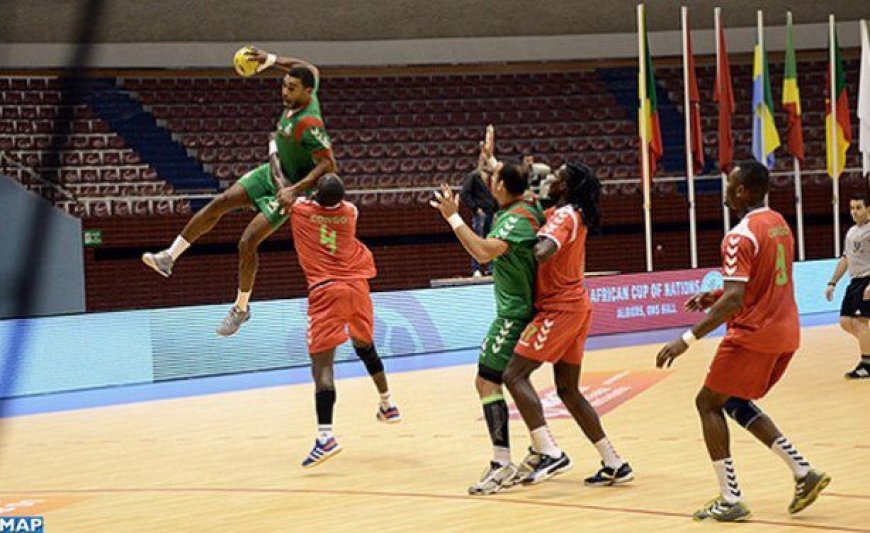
(482, 250)
(269, 60)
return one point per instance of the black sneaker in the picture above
(548, 467)
(862, 371)
(607, 476)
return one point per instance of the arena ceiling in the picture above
(35, 21)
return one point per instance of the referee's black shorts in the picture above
(854, 304)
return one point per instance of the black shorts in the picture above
(854, 304)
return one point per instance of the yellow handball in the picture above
(243, 64)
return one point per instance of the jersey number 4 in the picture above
(328, 239)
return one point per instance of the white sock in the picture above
(608, 454)
(179, 245)
(543, 442)
(386, 400)
(800, 467)
(242, 300)
(324, 432)
(727, 480)
(501, 455)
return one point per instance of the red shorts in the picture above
(744, 373)
(336, 307)
(555, 336)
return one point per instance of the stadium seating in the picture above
(389, 131)
(89, 161)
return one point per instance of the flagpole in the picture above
(726, 215)
(834, 148)
(798, 184)
(799, 208)
(760, 18)
(644, 136)
(690, 164)
(863, 101)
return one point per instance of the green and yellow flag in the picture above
(648, 119)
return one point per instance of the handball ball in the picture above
(243, 64)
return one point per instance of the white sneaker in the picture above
(161, 262)
(495, 478)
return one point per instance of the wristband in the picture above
(270, 60)
(689, 338)
(492, 162)
(455, 221)
(832, 283)
(273, 147)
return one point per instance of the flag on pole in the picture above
(791, 99)
(864, 100)
(649, 113)
(765, 139)
(723, 93)
(697, 140)
(839, 135)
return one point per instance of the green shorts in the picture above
(261, 191)
(498, 346)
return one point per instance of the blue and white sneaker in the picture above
(391, 415)
(546, 468)
(607, 476)
(321, 452)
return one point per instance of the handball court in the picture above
(210, 461)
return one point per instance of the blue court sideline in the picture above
(48, 403)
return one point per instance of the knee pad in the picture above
(369, 356)
(744, 412)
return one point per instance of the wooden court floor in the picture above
(230, 462)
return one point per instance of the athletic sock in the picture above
(179, 245)
(608, 454)
(386, 400)
(543, 442)
(728, 486)
(865, 359)
(800, 467)
(242, 299)
(324, 432)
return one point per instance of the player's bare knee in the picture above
(567, 393)
(846, 324)
(706, 402)
(511, 378)
(248, 244)
(323, 383)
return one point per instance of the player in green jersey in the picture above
(510, 248)
(300, 152)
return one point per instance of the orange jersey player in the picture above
(337, 267)
(763, 333)
(558, 332)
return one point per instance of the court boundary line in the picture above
(422, 495)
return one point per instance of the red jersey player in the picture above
(559, 330)
(337, 268)
(763, 333)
